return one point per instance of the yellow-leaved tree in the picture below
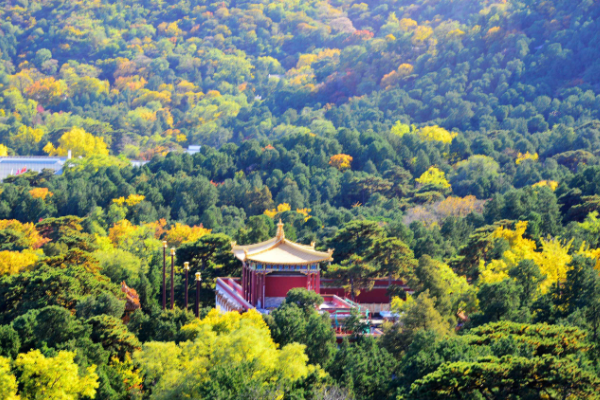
(405, 69)
(134, 199)
(525, 157)
(433, 176)
(305, 60)
(40, 193)
(26, 137)
(340, 161)
(400, 129)
(436, 134)
(8, 382)
(407, 24)
(121, 231)
(551, 184)
(304, 212)
(90, 86)
(56, 377)
(3, 150)
(29, 234)
(13, 262)
(552, 260)
(80, 142)
(421, 34)
(223, 341)
(136, 239)
(180, 233)
(131, 200)
(280, 208)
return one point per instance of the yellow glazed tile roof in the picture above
(279, 250)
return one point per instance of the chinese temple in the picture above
(273, 267)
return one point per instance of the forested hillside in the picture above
(452, 144)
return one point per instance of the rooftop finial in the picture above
(280, 232)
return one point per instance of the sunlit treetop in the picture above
(526, 157)
(340, 161)
(80, 142)
(280, 208)
(433, 176)
(546, 183)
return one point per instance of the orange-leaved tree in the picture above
(340, 161)
(48, 91)
(40, 193)
(29, 235)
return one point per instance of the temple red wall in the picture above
(376, 295)
(278, 286)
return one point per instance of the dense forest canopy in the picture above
(147, 77)
(452, 144)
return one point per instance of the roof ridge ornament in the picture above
(280, 232)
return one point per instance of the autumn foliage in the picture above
(340, 161)
(131, 200)
(80, 142)
(40, 193)
(30, 235)
(271, 213)
(552, 259)
(453, 206)
(526, 157)
(450, 145)
(433, 176)
(179, 234)
(14, 262)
